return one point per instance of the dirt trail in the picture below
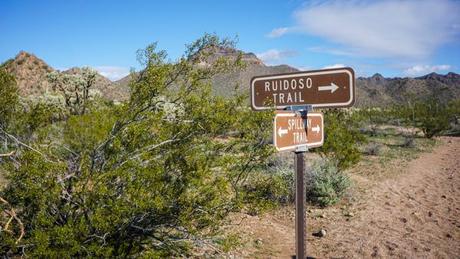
(413, 214)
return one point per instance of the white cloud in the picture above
(334, 66)
(274, 55)
(278, 32)
(393, 28)
(112, 72)
(418, 70)
(333, 51)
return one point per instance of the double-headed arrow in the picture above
(332, 87)
(282, 132)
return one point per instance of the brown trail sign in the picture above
(292, 130)
(318, 88)
(295, 131)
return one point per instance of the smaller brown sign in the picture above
(291, 130)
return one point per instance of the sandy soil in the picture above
(414, 213)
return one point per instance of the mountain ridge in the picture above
(376, 90)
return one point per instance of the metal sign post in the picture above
(300, 204)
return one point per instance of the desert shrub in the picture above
(31, 116)
(430, 115)
(265, 191)
(342, 137)
(147, 178)
(454, 111)
(325, 183)
(370, 118)
(373, 149)
(9, 98)
(6, 63)
(408, 142)
(84, 132)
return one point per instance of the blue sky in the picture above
(394, 38)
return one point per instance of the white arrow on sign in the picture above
(316, 129)
(333, 87)
(282, 132)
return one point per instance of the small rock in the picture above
(349, 214)
(448, 235)
(321, 233)
(430, 213)
(259, 242)
(443, 196)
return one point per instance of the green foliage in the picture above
(146, 178)
(430, 115)
(265, 191)
(82, 133)
(230, 242)
(342, 137)
(6, 63)
(326, 185)
(30, 117)
(9, 98)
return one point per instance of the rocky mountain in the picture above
(373, 91)
(31, 76)
(30, 73)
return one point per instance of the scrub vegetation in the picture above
(157, 175)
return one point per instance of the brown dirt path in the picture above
(412, 214)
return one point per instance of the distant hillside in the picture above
(380, 91)
(370, 91)
(376, 90)
(31, 76)
(107, 88)
(223, 84)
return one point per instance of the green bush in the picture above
(429, 115)
(147, 178)
(325, 183)
(9, 98)
(342, 137)
(265, 191)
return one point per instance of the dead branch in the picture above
(24, 144)
(8, 154)
(12, 215)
